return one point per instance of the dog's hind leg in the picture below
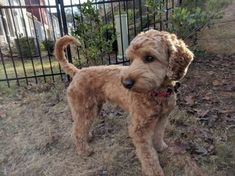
(83, 113)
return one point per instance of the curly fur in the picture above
(92, 86)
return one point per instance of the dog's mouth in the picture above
(142, 83)
(141, 86)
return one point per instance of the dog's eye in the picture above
(148, 59)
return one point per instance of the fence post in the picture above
(65, 31)
(57, 2)
(121, 26)
(65, 28)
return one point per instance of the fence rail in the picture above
(29, 28)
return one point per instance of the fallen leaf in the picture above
(207, 96)
(200, 150)
(227, 111)
(201, 112)
(217, 83)
(210, 73)
(230, 87)
(2, 114)
(190, 100)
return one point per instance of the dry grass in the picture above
(28, 64)
(35, 139)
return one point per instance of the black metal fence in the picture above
(29, 28)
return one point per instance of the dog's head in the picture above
(155, 57)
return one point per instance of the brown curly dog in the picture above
(145, 89)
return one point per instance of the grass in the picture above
(35, 136)
(35, 139)
(28, 64)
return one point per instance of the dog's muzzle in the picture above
(128, 83)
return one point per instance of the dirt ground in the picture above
(220, 37)
(35, 127)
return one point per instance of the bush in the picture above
(191, 17)
(26, 47)
(49, 46)
(96, 36)
(186, 22)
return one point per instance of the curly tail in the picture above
(60, 45)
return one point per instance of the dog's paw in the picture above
(90, 137)
(86, 152)
(160, 147)
(157, 172)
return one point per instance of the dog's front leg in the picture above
(141, 132)
(159, 131)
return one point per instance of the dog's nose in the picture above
(128, 83)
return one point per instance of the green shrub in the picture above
(155, 10)
(49, 46)
(42, 47)
(26, 47)
(186, 22)
(96, 36)
(191, 17)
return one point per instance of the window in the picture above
(35, 2)
(9, 22)
(1, 23)
(16, 20)
(1, 26)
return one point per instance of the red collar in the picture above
(165, 93)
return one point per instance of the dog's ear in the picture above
(180, 57)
